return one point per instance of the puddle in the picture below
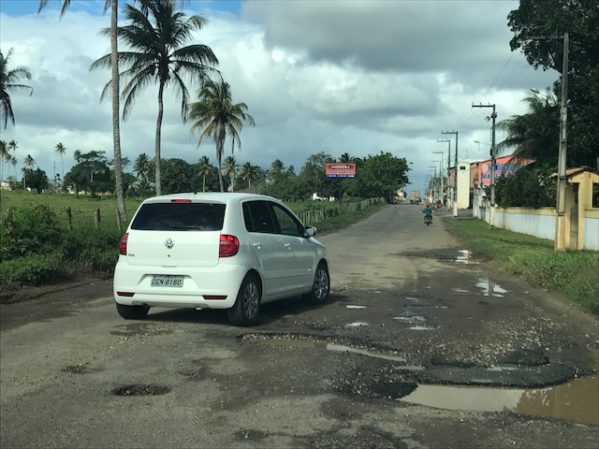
(460, 290)
(141, 390)
(357, 324)
(355, 307)
(463, 256)
(574, 401)
(410, 319)
(421, 328)
(489, 288)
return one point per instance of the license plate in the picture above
(167, 281)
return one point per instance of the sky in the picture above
(354, 76)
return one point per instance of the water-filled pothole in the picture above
(140, 390)
(574, 401)
(490, 288)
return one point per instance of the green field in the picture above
(573, 274)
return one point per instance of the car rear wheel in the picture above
(132, 312)
(322, 285)
(247, 306)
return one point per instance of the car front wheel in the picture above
(321, 286)
(132, 312)
(245, 310)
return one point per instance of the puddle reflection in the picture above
(490, 288)
(575, 401)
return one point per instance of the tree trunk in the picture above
(219, 155)
(116, 127)
(203, 183)
(157, 144)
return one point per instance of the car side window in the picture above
(258, 218)
(288, 225)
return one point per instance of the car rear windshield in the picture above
(180, 217)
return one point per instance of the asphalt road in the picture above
(411, 312)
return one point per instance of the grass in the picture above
(573, 274)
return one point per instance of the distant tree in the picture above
(12, 145)
(61, 150)
(230, 169)
(28, 164)
(91, 173)
(381, 175)
(9, 82)
(178, 176)
(215, 115)
(156, 35)
(4, 156)
(142, 166)
(204, 169)
(77, 156)
(36, 179)
(249, 173)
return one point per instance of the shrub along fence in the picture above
(311, 217)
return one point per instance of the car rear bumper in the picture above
(132, 286)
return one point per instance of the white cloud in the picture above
(357, 77)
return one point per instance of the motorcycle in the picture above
(428, 219)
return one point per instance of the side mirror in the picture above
(310, 232)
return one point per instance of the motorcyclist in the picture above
(428, 213)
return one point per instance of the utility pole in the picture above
(493, 152)
(563, 147)
(448, 165)
(442, 187)
(455, 178)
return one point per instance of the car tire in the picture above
(246, 309)
(321, 286)
(132, 312)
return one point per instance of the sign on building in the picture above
(504, 166)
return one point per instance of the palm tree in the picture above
(249, 173)
(204, 169)
(142, 166)
(77, 155)
(12, 145)
(533, 134)
(156, 34)
(230, 168)
(61, 150)
(9, 82)
(28, 164)
(116, 127)
(216, 116)
(4, 156)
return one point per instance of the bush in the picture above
(92, 249)
(24, 232)
(529, 187)
(32, 270)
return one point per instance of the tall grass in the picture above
(574, 274)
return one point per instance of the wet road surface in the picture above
(421, 345)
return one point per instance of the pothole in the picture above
(80, 368)
(303, 341)
(573, 401)
(140, 390)
(490, 288)
(140, 330)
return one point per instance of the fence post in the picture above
(70, 218)
(97, 218)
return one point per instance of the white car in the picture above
(217, 251)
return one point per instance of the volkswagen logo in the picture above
(169, 243)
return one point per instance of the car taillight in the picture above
(229, 245)
(180, 201)
(123, 244)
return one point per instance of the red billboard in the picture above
(339, 169)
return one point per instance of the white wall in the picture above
(591, 233)
(463, 194)
(537, 222)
